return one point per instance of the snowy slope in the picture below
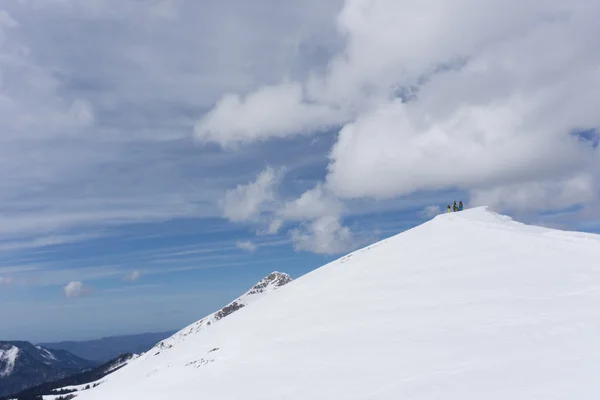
(272, 282)
(469, 305)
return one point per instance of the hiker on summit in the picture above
(449, 209)
(460, 206)
(454, 207)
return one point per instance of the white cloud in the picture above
(275, 226)
(324, 235)
(476, 146)
(539, 196)
(44, 241)
(133, 276)
(76, 289)
(274, 111)
(497, 90)
(317, 212)
(431, 211)
(246, 202)
(312, 204)
(245, 245)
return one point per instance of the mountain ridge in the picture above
(468, 305)
(107, 348)
(270, 283)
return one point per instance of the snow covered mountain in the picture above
(272, 282)
(468, 305)
(24, 365)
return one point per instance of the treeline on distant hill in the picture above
(81, 378)
(40, 397)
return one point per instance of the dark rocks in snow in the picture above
(231, 308)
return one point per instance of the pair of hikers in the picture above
(455, 207)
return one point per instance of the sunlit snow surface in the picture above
(470, 305)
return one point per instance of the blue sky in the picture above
(158, 158)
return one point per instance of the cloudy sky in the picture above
(159, 157)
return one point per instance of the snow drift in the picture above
(469, 305)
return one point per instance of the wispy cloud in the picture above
(132, 277)
(45, 241)
(132, 288)
(246, 245)
(85, 147)
(22, 268)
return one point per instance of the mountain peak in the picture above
(272, 282)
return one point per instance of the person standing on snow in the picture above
(460, 206)
(449, 209)
(454, 207)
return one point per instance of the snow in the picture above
(8, 358)
(46, 353)
(262, 288)
(77, 388)
(469, 305)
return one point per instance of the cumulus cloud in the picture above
(488, 98)
(245, 245)
(133, 276)
(477, 146)
(312, 204)
(317, 213)
(246, 202)
(431, 211)
(273, 111)
(324, 235)
(539, 196)
(76, 289)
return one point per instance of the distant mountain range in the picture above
(74, 383)
(23, 365)
(108, 348)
